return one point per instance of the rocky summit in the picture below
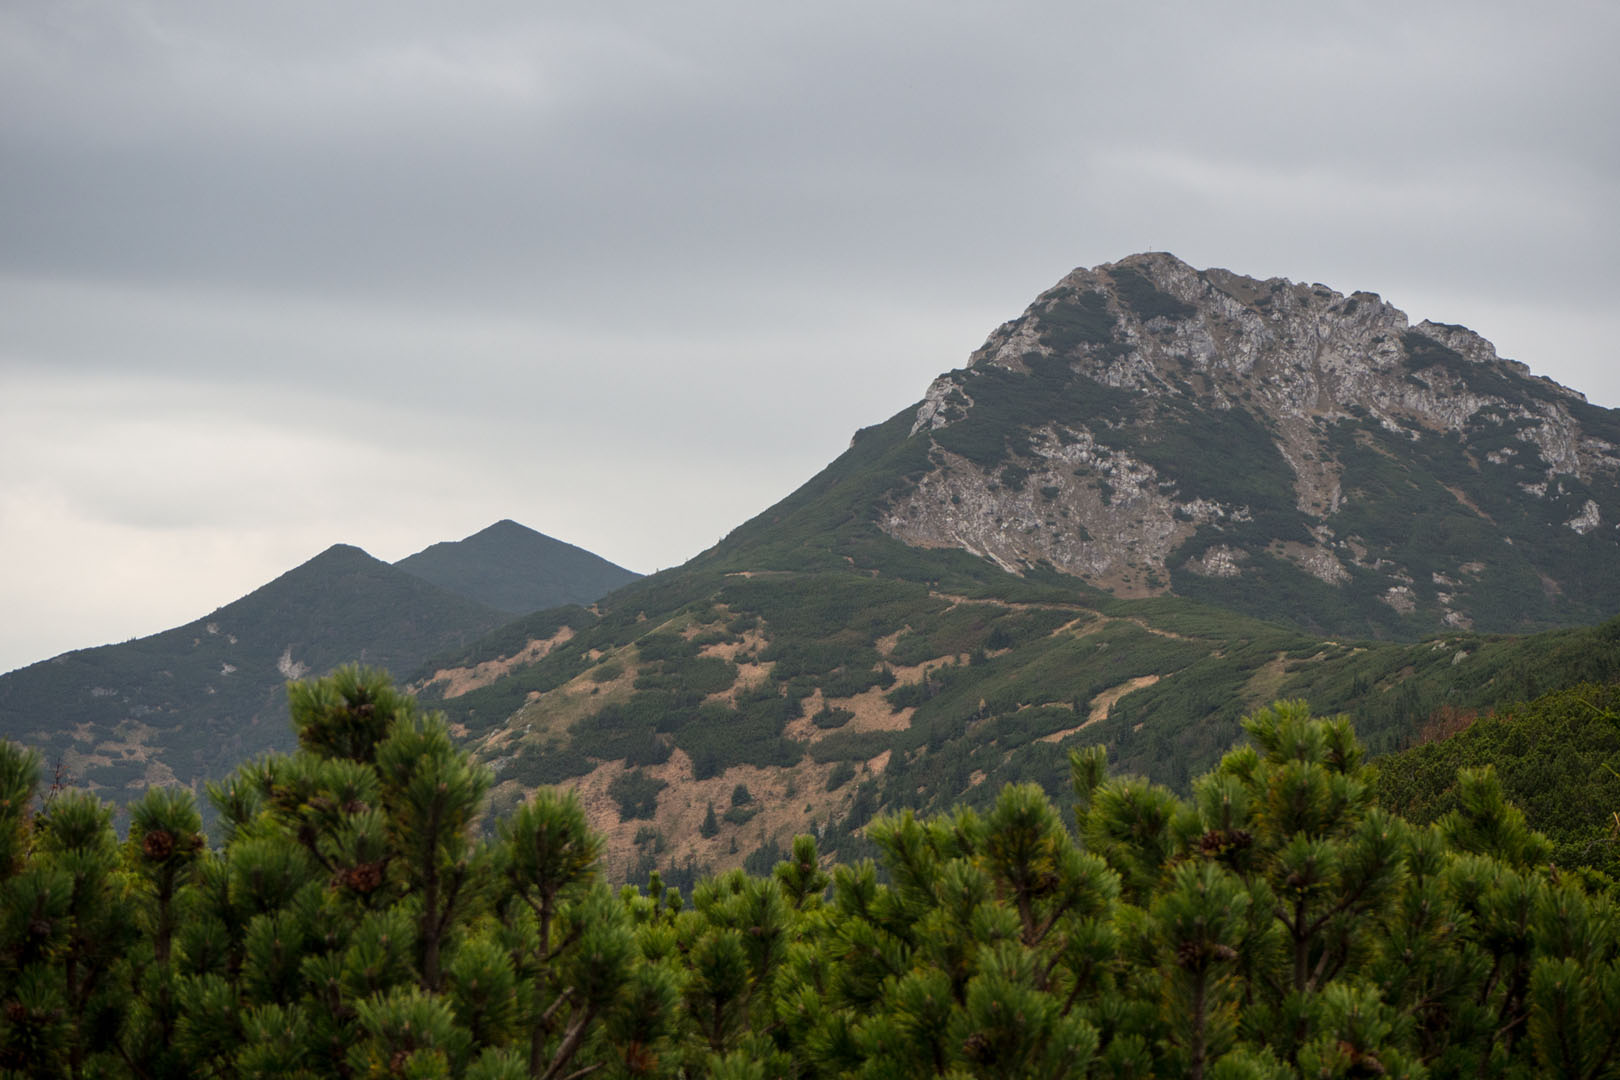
(1158, 500)
(1278, 448)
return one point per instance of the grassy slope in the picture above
(749, 656)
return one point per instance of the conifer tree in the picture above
(162, 854)
(1272, 924)
(68, 927)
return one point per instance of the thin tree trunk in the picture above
(430, 904)
(1197, 1050)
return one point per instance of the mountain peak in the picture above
(1151, 428)
(1162, 260)
(516, 569)
(505, 527)
(337, 559)
(344, 551)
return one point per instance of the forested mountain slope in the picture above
(1159, 498)
(183, 705)
(188, 703)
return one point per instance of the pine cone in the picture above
(365, 877)
(976, 1047)
(1220, 843)
(1362, 1064)
(158, 845)
(639, 1060)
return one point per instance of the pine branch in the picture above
(570, 1044)
(1609, 1048)
(565, 943)
(551, 1011)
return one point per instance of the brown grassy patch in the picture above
(1264, 685)
(1445, 722)
(549, 716)
(752, 641)
(160, 775)
(885, 644)
(1462, 497)
(749, 675)
(458, 681)
(1101, 705)
(872, 712)
(781, 797)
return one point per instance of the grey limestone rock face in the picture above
(1091, 434)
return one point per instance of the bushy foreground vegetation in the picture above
(1556, 757)
(353, 923)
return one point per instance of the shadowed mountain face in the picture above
(192, 702)
(196, 700)
(1133, 516)
(514, 569)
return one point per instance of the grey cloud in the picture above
(710, 147)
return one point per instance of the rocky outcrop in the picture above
(1092, 433)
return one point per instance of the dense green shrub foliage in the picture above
(1276, 923)
(1556, 758)
(637, 794)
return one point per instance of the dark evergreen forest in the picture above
(356, 918)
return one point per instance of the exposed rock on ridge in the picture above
(1150, 427)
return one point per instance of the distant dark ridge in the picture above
(515, 569)
(201, 697)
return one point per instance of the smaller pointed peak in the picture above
(505, 530)
(340, 555)
(337, 551)
(506, 525)
(1152, 258)
(1155, 265)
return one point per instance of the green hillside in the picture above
(815, 658)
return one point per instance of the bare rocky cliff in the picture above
(1153, 428)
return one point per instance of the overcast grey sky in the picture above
(274, 276)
